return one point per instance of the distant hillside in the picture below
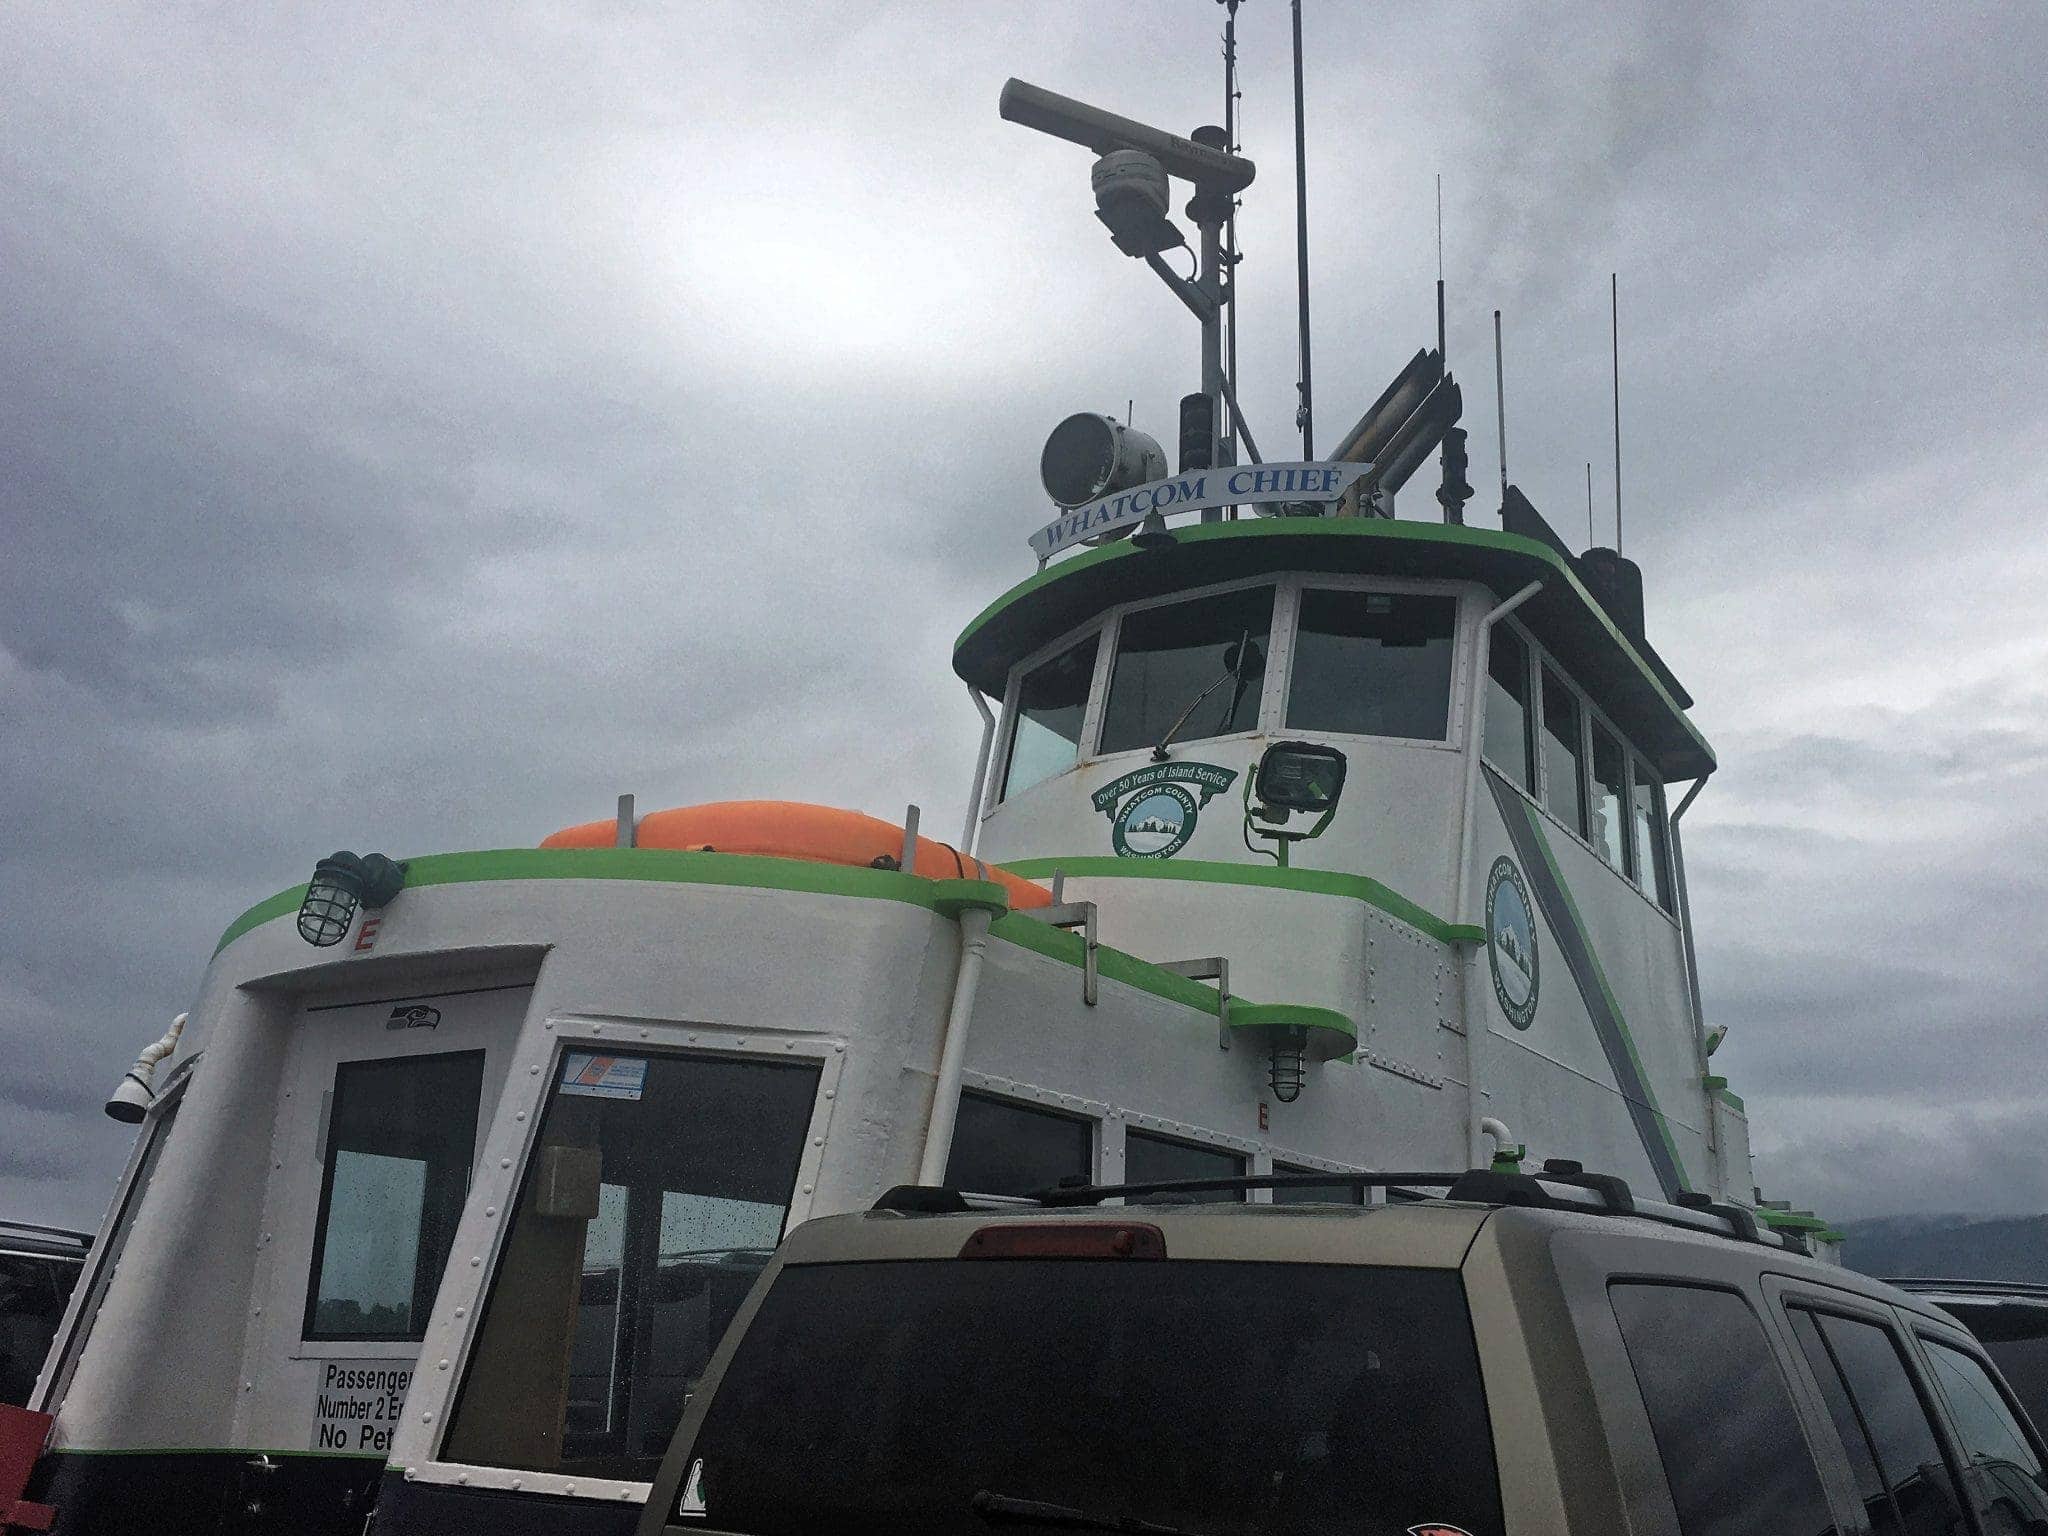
(1951, 1247)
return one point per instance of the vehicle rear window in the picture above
(1220, 1399)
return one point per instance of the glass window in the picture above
(2012, 1482)
(879, 1399)
(1563, 793)
(1871, 1488)
(400, 1137)
(1902, 1440)
(1609, 836)
(1052, 698)
(2024, 1365)
(33, 1290)
(654, 1197)
(1001, 1147)
(1316, 1194)
(1652, 862)
(1373, 664)
(1150, 1159)
(1721, 1412)
(1204, 659)
(1508, 744)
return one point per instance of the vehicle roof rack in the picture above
(1559, 1184)
(56, 1239)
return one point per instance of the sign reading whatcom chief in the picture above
(1231, 485)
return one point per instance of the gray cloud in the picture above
(388, 395)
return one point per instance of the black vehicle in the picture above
(2010, 1319)
(38, 1268)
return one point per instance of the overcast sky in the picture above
(420, 424)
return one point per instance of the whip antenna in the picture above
(1614, 331)
(1442, 350)
(1590, 540)
(1229, 436)
(1500, 406)
(1306, 412)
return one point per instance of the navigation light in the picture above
(340, 883)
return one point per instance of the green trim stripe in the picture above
(1316, 882)
(675, 866)
(1355, 528)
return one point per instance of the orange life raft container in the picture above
(790, 829)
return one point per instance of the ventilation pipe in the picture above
(1475, 1027)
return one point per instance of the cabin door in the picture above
(389, 1097)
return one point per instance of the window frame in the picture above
(1091, 1112)
(508, 1151)
(1538, 658)
(1463, 638)
(308, 1335)
(1962, 1465)
(1282, 627)
(996, 790)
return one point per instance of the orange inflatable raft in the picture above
(790, 829)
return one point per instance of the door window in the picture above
(2009, 1478)
(1001, 1147)
(401, 1134)
(655, 1195)
(1903, 1452)
(1726, 1430)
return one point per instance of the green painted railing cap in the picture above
(950, 898)
(1330, 1033)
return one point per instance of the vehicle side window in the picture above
(1005, 1148)
(1899, 1434)
(1729, 1437)
(2012, 1483)
(1850, 1428)
(400, 1138)
(33, 1290)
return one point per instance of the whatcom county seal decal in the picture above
(1511, 942)
(1152, 810)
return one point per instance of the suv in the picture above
(38, 1268)
(1525, 1353)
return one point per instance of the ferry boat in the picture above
(1303, 837)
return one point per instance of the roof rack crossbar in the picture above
(1095, 1194)
(83, 1239)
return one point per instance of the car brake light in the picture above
(1066, 1240)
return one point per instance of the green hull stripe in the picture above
(1314, 882)
(678, 867)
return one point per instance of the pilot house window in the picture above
(1188, 670)
(1564, 796)
(655, 1196)
(1507, 707)
(1052, 698)
(1373, 664)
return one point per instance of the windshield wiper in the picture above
(1241, 662)
(1007, 1509)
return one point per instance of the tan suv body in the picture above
(1433, 1366)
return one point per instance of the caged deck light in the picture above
(341, 882)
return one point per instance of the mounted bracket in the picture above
(1215, 968)
(1071, 915)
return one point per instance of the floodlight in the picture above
(1300, 776)
(1088, 456)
